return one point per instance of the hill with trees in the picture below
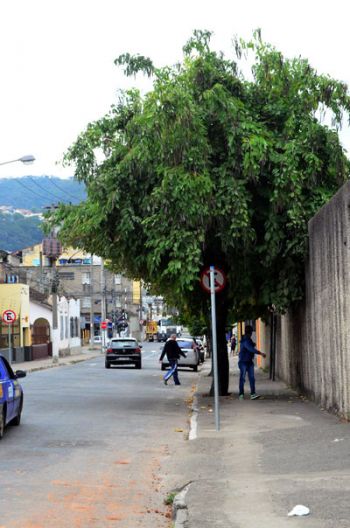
(18, 231)
(37, 192)
(32, 193)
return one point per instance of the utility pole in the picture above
(141, 318)
(51, 248)
(54, 295)
(92, 314)
(54, 290)
(103, 304)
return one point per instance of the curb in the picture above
(55, 365)
(194, 417)
(180, 510)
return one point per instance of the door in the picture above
(7, 389)
(15, 389)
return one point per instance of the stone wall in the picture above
(313, 343)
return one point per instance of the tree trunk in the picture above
(223, 363)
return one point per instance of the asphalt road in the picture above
(93, 446)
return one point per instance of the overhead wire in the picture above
(60, 189)
(29, 189)
(45, 190)
(18, 180)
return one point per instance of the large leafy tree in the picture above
(211, 168)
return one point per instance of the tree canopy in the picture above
(210, 167)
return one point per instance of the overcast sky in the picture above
(56, 58)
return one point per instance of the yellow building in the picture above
(136, 292)
(32, 256)
(15, 297)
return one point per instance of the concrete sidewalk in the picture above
(270, 455)
(42, 364)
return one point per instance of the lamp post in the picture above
(27, 160)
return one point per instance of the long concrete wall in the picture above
(313, 340)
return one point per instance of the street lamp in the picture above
(27, 160)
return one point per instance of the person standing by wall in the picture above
(233, 344)
(246, 363)
(173, 352)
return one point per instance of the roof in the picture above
(38, 297)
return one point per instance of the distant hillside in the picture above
(37, 192)
(31, 193)
(18, 232)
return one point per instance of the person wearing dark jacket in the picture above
(246, 362)
(233, 344)
(173, 352)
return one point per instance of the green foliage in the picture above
(135, 64)
(211, 168)
(168, 501)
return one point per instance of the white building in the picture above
(64, 340)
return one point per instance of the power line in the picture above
(18, 180)
(29, 189)
(62, 190)
(45, 190)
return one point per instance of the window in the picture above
(118, 343)
(118, 302)
(85, 277)
(117, 279)
(61, 328)
(66, 327)
(184, 344)
(11, 279)
(86, 302)
(7, 369)
(71, 327)
(67, 275)
(76, 320)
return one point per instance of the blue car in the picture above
(11, 395)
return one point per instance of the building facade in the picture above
(102, 293)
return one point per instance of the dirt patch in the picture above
(130, 494)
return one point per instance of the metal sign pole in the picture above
(215, 351)
(10, 345)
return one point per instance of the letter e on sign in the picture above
(9, 317)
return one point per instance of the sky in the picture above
(57, 58)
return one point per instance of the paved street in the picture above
(93, 446)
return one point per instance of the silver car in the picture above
(192, 357)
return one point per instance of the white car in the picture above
(192, 357)
(97, 340)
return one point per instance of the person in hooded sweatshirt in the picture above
(173, 352)
(246, 362)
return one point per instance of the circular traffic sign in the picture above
(219, 280)
(104, 325)
(9, 317)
